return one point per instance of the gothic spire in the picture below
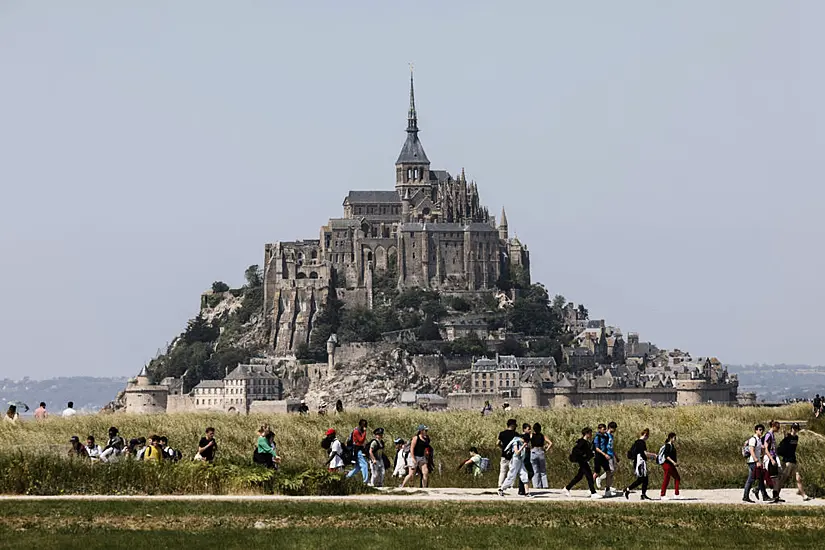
(503, 221)
(412, 152)
(412, 117)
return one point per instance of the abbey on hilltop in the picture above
(431, 231)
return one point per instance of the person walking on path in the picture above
(526, 429)
(639, 454)
(612, 459)
(540, 444)
(518, 450)
(770, 460)
(754, 461)
(504, 438)
(378, 460)
(330, 442)
(358, 441)
(787, 451)
(601, 460)
(69, 410)
(669, 466)
(420, 452)
(402, 458)
(581, 454)
(40, 412)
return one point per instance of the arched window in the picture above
(301, 276)
(313, 275)
(314, 255)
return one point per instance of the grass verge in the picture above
(311, 525)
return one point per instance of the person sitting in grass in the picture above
(207, 446)
(153, 452)
(77, 449)
(265, 453)
(92, 449)
(114, 446)
(11, 415)
(474, 462)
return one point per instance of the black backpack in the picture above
(326, 443)
(631, 452)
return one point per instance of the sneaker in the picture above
(627, 494)
(608, 494)
(806, 498)
(528, 495)
(748, 499)
(676, 497)
(645, 497)
(595, 496)
(501, 492)
(598, 483)
(566, 492)
(664, 497)
(778, 500)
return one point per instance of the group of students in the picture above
(771, 465)
(523, 458)
(156, 449)
(370, 459)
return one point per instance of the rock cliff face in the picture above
(377, 381)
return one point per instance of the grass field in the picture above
(318, 525)
(33, 455)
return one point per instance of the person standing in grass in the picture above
(265, 453)
(754, 461)
(207, 446)
(540, 444)
(639, 454)
(580, 455)
(504, 438)
(69, 410)
(40, 412)
(11, 415)
(518, 449)
(669, 466)
(358, 441)
(378, 459)
(787, 451)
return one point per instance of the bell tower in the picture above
(412, 169)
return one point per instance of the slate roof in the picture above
(373, 197)
(439, 175)
(412, 151)
(246, 372)
(210, 384)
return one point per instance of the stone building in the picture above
(503, 376)
(143, 397)
(430, 231)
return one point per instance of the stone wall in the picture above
(179, 404)
(431, 366)
(359, 351)
(274, 407)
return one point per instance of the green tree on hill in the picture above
(219, 286)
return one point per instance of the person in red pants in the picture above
(669, 465)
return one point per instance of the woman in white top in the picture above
(331, 443)
(11, 415)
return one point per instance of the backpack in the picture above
(598, 442)
(631, 452)
(326, 443)
(484, 464)
(660, 458)
(746, 448)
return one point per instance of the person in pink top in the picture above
(40, 412)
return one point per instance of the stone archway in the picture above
(380, 258)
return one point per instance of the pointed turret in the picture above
(503, 233)
(412, 166)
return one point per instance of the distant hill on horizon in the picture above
(89, 393)
(774, 383)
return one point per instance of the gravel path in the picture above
(711, 496)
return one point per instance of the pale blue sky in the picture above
(662, 160)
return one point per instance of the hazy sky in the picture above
(662, 160)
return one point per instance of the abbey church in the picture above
(432, 231)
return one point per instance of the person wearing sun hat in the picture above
(330, 442)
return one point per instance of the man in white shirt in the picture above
(93, 449)
(754, 461)
(69, 411)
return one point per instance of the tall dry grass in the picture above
(710, 439)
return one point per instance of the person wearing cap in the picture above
(421, 451)
(303, 408)
(334, 461)
(378, 461)
(402, 454)
(787, 452)
(77, 449)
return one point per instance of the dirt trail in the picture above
(710, 496)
